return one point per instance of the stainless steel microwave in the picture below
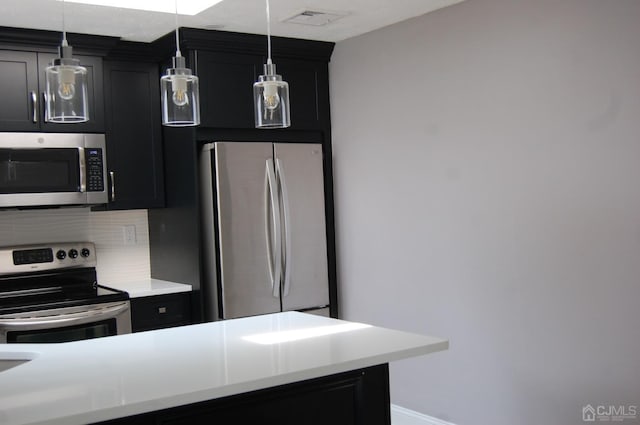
(52, 169)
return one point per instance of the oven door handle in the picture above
(67, 319)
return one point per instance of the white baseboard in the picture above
(402, 416)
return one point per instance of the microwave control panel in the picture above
(95, 177)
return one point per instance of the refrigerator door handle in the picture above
(287, 259)
(273, 232)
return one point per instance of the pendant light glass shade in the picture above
(66, 93)
(180, 96)
(270, 93)
(271, 100)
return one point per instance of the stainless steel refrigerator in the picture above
(264, 219)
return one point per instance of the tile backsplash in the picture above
(118, 260)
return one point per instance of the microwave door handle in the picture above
(82, 165)
(66, 319)
(112, 176)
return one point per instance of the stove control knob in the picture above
(73, 253)
(61, 255)
(85, 252)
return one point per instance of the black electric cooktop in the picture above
(51, 276)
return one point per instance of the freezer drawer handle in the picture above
(287, 260)
(273, 232)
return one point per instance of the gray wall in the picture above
(487, 178)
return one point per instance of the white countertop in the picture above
(149, 287)
(106, 378)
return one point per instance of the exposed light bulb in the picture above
(67, 91)
(270, 95)
(66, 83)
(179, 89)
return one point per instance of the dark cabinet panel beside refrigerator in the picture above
(263, 215)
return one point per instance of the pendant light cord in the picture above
(64, 28)
(268, 34)
(178, 53)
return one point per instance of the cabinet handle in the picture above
(34, 106)
(46, 109)
(112, 176)
(162, 310)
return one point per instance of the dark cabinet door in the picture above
(332, 404)
(226, 88)
(134, 141)
(160, 311)
(19, 88)
(352, 398)
(358, 397)
(95, 91)
(308, 92)
(23, 86)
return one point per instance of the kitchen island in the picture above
(276, 368)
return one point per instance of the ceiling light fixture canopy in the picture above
(179, 91)
(270, 93)
(66, 93)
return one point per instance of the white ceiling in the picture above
(229, 15)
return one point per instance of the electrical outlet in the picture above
(129, 234)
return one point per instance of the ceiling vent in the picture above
(316, 18)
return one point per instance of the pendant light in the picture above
(66, 95)
(179, 91)
(270, 93)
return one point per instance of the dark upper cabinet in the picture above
(19, 87)
(228, 64)
(226, 88)
(308, 92)
(133, 132)
(23, 85)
